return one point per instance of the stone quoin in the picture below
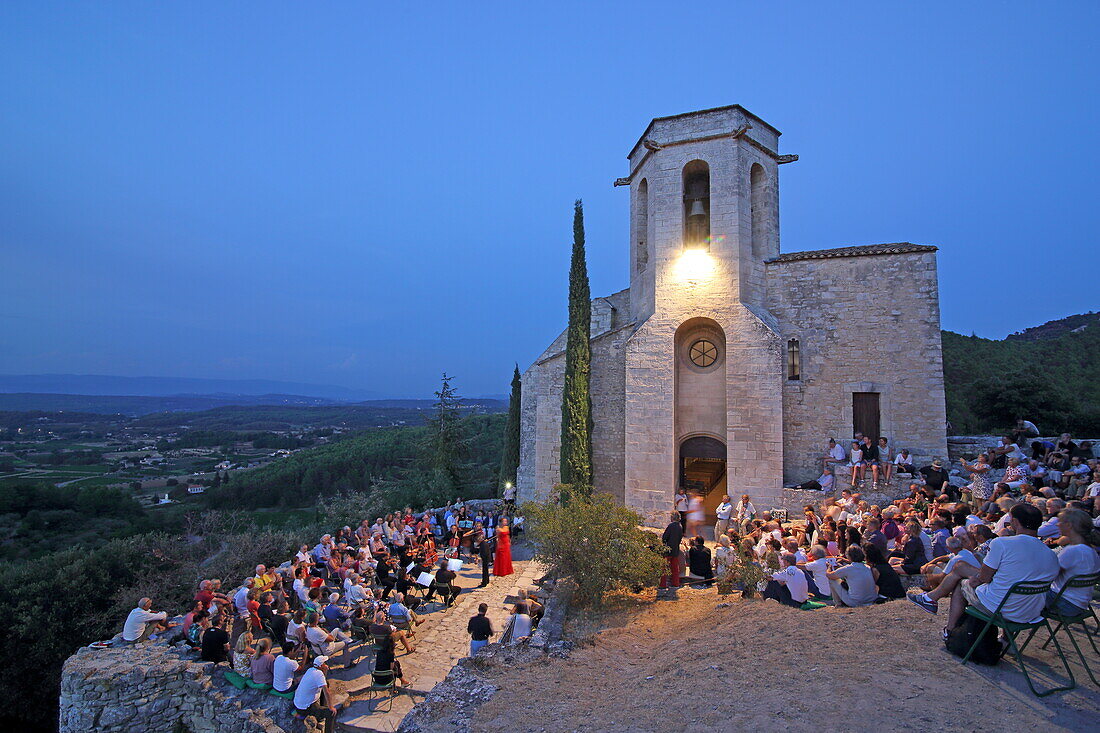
(726, 365)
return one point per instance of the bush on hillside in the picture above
(595, 540)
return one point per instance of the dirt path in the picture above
(689, 665)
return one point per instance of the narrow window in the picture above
(641, 225)
(794, 360)
(758, 180)
(696, 205)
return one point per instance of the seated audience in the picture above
(852, 584)
(699, 560)
(788, 586)
(1077, 555)
(262, 665)
(1021, 557)
(215, 644)
(886, 578)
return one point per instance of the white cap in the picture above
(972, 520)
(318, 661)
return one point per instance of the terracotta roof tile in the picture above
(892, 248)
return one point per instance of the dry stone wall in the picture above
(153, 688)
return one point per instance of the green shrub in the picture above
(594, 540)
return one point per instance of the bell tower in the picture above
(704, 220)
(703, 181)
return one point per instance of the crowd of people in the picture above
(1029, 511)
(353, 590)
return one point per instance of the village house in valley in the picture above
(727, 364)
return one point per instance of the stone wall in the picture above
(152, 687)
(540, 410)
(864, 324)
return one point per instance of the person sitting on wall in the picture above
(856, 464)
(936, 478)
(825, 482)
(308, 700)
(903, 462)
(870, 459)
(215, 643)
(142, 622)
(834, 456)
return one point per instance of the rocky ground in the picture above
(707, 663)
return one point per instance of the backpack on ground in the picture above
(961, 638)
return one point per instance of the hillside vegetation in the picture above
(395, 459)
(1052, 380)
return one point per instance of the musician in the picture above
(386, 577)
(484, 547)
(446, 584)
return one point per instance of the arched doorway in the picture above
(703, 469)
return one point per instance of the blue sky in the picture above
(366, 196)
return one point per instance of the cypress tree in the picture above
(509, 462)
(576, 400)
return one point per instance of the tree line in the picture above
(1053, 382)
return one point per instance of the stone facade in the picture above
(866, 323)
(867, 320)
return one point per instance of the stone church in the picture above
(727, 364)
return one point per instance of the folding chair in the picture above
(1012, 629)
(379, 642)
(383, 681)
(1077, 581)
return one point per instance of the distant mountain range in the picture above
(218, 389)
(132, 406)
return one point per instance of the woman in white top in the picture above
(885, 459)
(855, 462)
(723, 556)
(1076, 556)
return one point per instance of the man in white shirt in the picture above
(903, 462)
(283, 672)
(790, 588)
(818, 566)
(307, 698)
(240, 598)
(141, 621)
(745, 512)
(328, 644)
(835, 455)
(723, 512)
(1011, 560)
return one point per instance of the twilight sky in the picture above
(367, 196)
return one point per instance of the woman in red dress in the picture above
(502, 563)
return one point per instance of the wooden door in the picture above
(865, 414)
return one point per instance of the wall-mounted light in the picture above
(694, 265)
